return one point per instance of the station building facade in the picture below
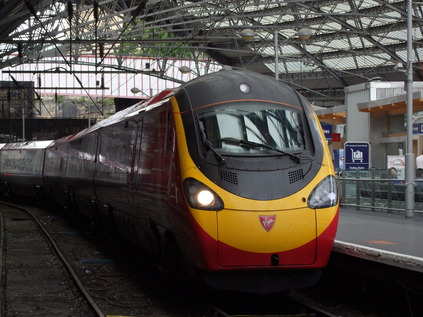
(375, 112)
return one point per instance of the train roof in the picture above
(27, 145)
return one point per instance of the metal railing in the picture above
(371, 189)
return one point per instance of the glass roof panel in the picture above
(294, 66)
(347, 34)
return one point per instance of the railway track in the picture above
(35, 276)
(40, 249)
(53, 266)
(286, 305)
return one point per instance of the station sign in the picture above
(327, 130)
(417, 128)
(357, 155)
(398, 162)
(336, 137)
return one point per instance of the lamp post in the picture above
(409, 156)
(11, 111)
(276, 42)
(23, 122)
(248, 35)
(303, 34)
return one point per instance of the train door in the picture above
(54, 171)
(114, 175)
(136, 157)
(79, 174)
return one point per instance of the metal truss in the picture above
(347, 42)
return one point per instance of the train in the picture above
(228, 176)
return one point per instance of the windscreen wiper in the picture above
(240, 142)
(210, 147)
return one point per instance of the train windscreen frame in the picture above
(253, 128)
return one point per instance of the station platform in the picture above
(387, 238)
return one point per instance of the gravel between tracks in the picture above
(123, 284)
(34, 282)
(120, 283)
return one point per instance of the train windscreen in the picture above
(257, 128)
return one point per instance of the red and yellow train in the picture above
(229, 175)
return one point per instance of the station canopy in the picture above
(319, 47)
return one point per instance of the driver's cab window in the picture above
(279, 128)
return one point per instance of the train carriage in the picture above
(229, 173)
(21, 166)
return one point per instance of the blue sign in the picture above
(338, 159)
(327, 130)
(357, 155)
(417, 128)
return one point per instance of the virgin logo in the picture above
(267, 222)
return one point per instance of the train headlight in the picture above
(205, 198)
(325, 194)
(200, 196)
